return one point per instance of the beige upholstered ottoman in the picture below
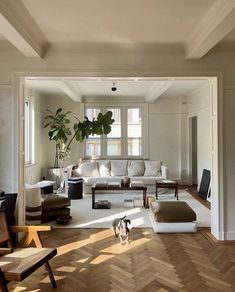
(172, 217)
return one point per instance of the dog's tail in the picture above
(123, 217)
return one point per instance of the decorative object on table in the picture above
(60, 131)
(128, 203)
(46, 186)
(121, 229)
(205, 184)
(126, 181)
(75, 188)
(64, 220)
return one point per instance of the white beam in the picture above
(214, 26)
(19, 28)
(157, 90)
(69, 90)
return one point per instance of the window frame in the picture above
(124, 130)
(29, 138)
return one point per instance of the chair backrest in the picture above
(4, 230)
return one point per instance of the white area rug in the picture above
(83, 216)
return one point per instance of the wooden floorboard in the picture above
(93, 260)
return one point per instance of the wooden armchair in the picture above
(17, 264)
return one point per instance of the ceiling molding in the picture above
(19, 28)
(214, 26)
(69, 90)
(157, 90)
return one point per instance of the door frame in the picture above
(216, 96)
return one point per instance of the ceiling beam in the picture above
(214, 26)
(69, 90)
(19, 28)
(157, 90)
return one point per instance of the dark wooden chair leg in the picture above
(51, 276)
(3, 283)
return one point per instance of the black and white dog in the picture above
(121, 229)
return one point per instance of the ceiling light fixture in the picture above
(113, 88)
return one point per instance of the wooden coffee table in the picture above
(97, 187)
(167, 184)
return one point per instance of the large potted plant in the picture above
(61, 133)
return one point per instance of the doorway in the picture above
(217, 207)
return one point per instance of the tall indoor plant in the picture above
(60, 131)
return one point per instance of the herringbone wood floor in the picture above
(93, 260)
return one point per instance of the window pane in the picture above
(134, 131)
(93, 143)
(93, 147)
(114, 138)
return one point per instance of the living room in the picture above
(164, 108)
(153, 40)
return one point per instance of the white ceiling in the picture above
(112, 21)
(129, 88)
(196, 25)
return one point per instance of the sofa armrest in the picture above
(165, 172)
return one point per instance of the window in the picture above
(93, 143)
(114, 138)
(29, 131)
(134, 131)
(124, 140)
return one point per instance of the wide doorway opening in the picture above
(168, 106)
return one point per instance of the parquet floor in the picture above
(93, 260)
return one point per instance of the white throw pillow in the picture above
(88, 168)
(135, 168)
(152, 168)
(104, 167)
(118, 167)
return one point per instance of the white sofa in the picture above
(93, 171)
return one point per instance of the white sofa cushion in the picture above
(88, 168)
(135, 167)
(152, 168)
(118, 167)
(104, 167)
(91, 180)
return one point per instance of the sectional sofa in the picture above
(92, 171)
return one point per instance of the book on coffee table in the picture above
(114, 184)
(136, 183)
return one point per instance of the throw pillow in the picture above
(135, 168)
(88, 168)
(104, 167)
(118, 167)
(152, 168)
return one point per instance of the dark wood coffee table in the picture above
(138, 187)
(167, 185)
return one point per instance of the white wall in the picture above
(164, 130)
(7, 162)
(157, 63)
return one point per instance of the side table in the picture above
(75, 188)
(167, 184)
